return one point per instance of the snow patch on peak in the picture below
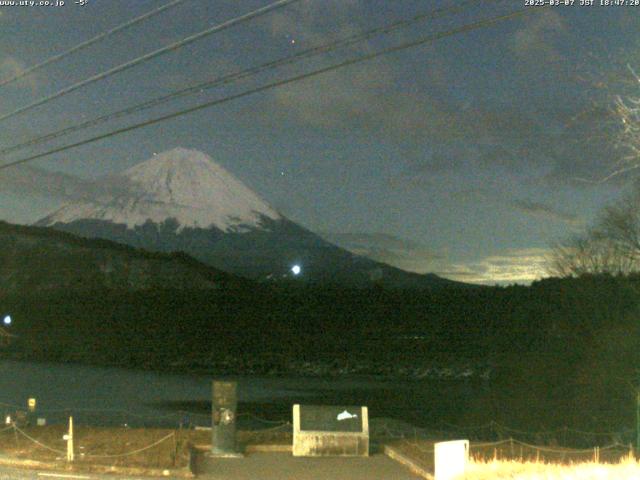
(183, 184)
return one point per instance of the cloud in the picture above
(30, 193)
(536, 40)
(363, 97)
(436, 128)
(513, 266)
(338, 99)
(547, 212)
(537, 148)
(398, 252)
(431, 130)
(11, 66)
(307, 21)
(26, 180)
(430, 133)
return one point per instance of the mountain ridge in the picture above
(181, 200)
(42, 259)
(181, 183)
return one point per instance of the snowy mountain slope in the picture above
(182, 184)
(181, 200)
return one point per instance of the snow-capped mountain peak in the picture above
(183, 184)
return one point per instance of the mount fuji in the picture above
(181, 200)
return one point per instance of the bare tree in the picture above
(611, 246)
(622, 128)
(627, 113)
(583, 254)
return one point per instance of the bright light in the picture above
(451, 459)
(7, 320)
(296, 269)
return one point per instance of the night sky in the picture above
(467, 156)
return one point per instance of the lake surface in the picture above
(114, 396)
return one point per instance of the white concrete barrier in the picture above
(324, 430)
(451, 459)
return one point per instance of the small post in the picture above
(31, 411)
(70, 441)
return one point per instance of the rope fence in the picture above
(261, 420)
(171, 436)
(134, 452)
(512, 449)
(120, 417)
(88, 455)
(414, 443)
(491, 434)
(282, 426)
(114, 417)
(489, 431)
(37, 442)
(422, 440)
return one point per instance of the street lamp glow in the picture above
(296, 269)
(7, 320)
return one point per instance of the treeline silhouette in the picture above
(560, 352)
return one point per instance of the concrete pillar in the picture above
(223, 425)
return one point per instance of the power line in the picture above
(156, 53)
(466, 28)
(345, 42)
(91, 41)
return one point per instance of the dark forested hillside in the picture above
(592, 320)
(39, 259)
(559, 352)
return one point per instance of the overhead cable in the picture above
(429, 39)
(239, 75)
(87, 43)
(149, 56)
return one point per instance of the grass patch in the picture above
(511, 459)
(627, 469)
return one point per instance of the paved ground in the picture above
(255, 466)
(283, 466)
(7, 473)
